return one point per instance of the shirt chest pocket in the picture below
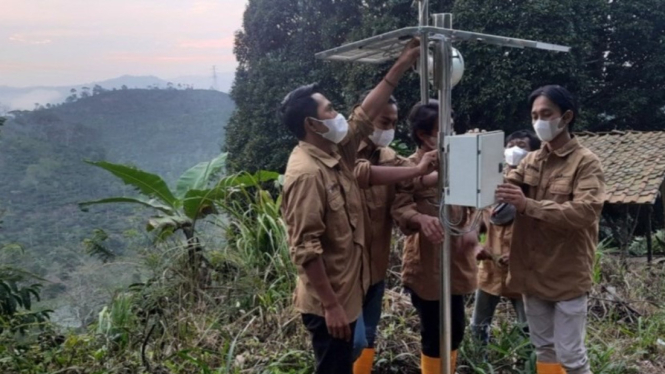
(531, 181)
(561, 190)
(335, 201)
(337, 221)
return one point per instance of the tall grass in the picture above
(243, 321)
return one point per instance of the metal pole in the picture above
(443, 67)
(423, 20)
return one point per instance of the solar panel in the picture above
(388, 46)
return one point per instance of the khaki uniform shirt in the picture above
(420, 263)
(554, 240)
(378, 200)
(492, 277)
(324, 214)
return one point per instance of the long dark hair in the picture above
(559, 96)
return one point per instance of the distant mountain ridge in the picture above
(44, 175)
(25, 98)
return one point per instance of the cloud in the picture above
(27, 101)
(207, 43)
(153, 59)
(97, 40)
(23, 39)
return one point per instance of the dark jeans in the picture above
(368, 322)
(428, 311)
(333, 356)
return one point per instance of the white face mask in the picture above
(337, 128)
(514, 155)
(382, 138)
(548, 130)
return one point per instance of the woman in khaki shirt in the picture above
(558, 192)
(493, 268)
(417, 215)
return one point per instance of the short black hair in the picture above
(534, 142)
(559, 96)
(391, 99)
(423, 117)
(297, 106)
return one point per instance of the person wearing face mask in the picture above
(558, 193)
(324, 214)
(494, 254)
(415, 210)
(378, 200)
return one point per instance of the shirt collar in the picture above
(330, 160)
(366, 145)
(562, 152)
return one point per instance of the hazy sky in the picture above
(65, 42)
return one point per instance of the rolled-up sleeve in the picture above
(360, 127)
(303, 211)
(404, 208)
(585, 207)
(363, 173)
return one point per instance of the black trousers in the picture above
(333, 356)
(428, 311)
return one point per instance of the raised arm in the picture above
(360, 121)
(378, 97)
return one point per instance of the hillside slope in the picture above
(44, 176)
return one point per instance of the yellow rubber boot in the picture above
(430, 365)
(549, 368)
(363, 364)
(453, 361)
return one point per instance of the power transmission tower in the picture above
(214, 78)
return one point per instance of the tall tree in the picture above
(632, 95)
(497, 80)
(616, 66)
(275, 51)
(273, 60)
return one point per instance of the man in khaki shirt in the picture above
(377, 199)
(558, 193)
(323, 210)
(494, 256)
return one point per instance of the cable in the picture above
(453, 226)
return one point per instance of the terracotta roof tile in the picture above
(634, 163)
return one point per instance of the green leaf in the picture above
(151, 185)
(252, 180)
(198, 177)
(134, 200)
(200, 203)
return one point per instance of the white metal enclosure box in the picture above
(476, 168)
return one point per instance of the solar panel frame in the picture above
(386, 47)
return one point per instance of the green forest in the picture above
(45, 176)
(140, 229)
